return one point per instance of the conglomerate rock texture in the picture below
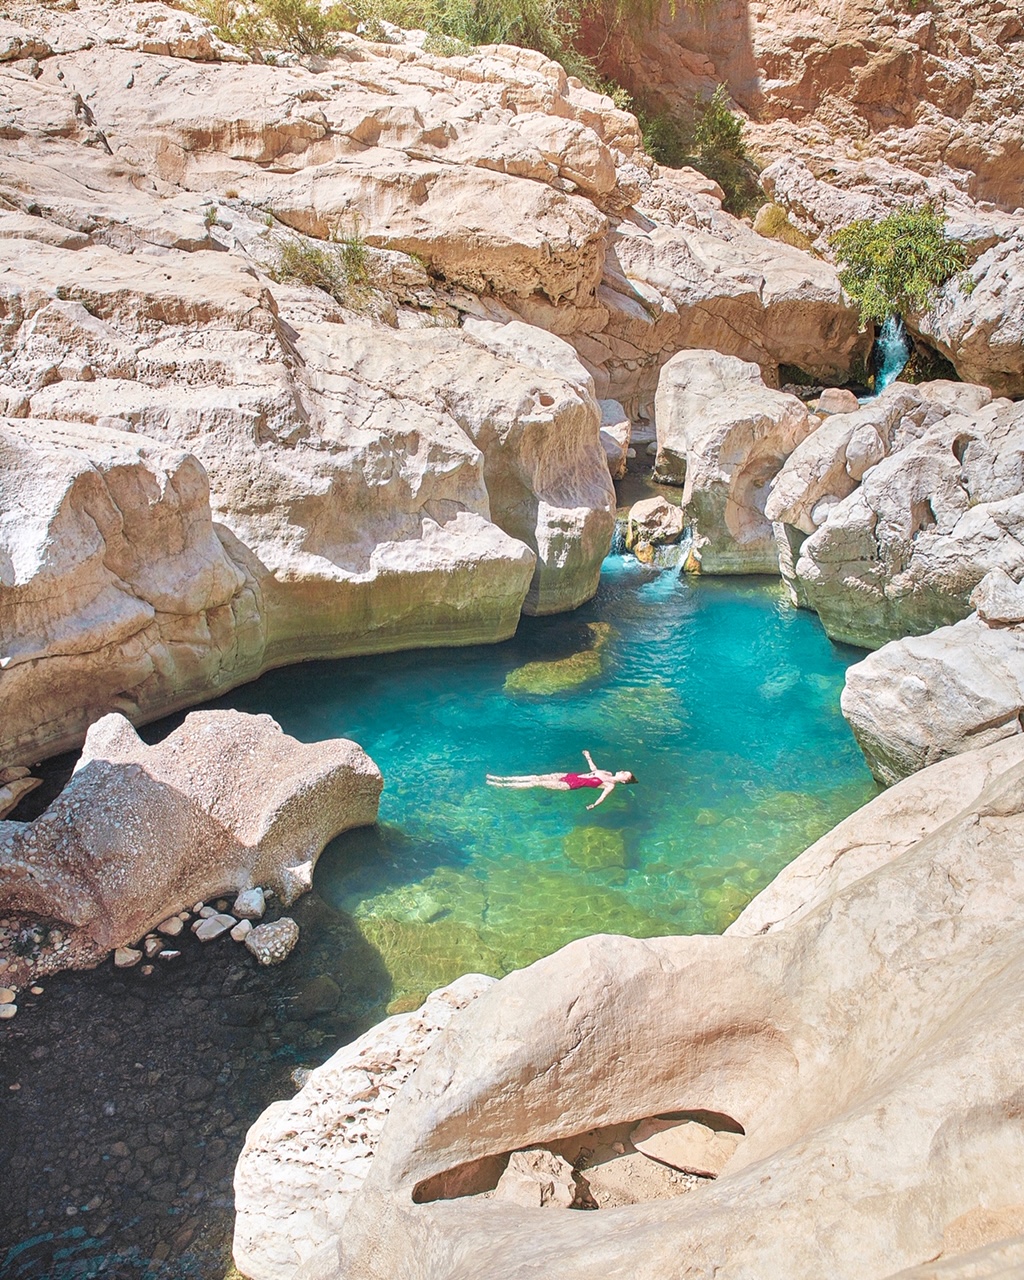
(861, 1021)
(225, 802)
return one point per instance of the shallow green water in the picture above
(717, 694)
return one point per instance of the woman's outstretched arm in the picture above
(606, 790)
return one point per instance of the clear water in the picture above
(717, 694)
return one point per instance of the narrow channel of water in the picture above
(124, 1101)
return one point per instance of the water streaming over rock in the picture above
(892, 351)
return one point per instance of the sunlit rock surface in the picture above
(225, 802)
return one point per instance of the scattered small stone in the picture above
(272, 943)
(146, 970)
(126, 957)
(8, 995)
(171, 927)
(36, 991)
(151, 945)
(207, 913)
(184, 915)
(250, 904)
(222, 904)
(14, 1087)
(197, 908)
(213, 926)
(8, 1010)
(168, 955)
(241, 930)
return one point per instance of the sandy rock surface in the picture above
(893, 994)
(224, 802)
(724, 436)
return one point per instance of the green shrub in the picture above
(300, 26)
(338, 267)
(897, 265)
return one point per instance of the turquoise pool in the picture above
(716, 693)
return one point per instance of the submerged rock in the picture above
(543, 679)
(274, 942)
(224, 800)
(595, 849)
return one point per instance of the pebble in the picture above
(207, 913)
(272, 943)
(250, 904)
(8, 1010)
(222, 904)
(241, 930)
(7, 995)
(36, 991)
(172, 927)
(169, 955)
(146, 969)
(213, 926)
(126, 957)
(197, 908)
(151, 945)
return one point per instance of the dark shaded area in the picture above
(125, 1100)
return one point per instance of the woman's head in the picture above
(624, 776)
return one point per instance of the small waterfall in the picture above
(892, 351)
(618, 547)
(661, 556)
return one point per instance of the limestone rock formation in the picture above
(939, 95)
(867, 1045)
(724, 435)
(919, 700)
(224, 802)
(304, 1157)
(939, 503)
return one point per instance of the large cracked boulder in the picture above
(863, 1028)
(225, 802)
(939, 503)
(724, 435)
(924, 698)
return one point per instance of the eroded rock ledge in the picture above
(861, 1021)
(225, 802)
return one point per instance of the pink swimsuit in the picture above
(578, 780)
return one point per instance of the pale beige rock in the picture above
(921, 699)
(225, 800)
(536, 1178)
(214, 927)
(126, 957)
(14, 789)
(616, 431)
(812, 1037)
(724, 435)
(904, 551)
(837, 400)
(686, 1145)
(273, 942)
(998, 600)
(304, 1157)
(654, 521)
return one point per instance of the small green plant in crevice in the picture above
(210, 216)
(338, 266)
(896, 266)
(709, 139)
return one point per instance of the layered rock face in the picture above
(824, 1014)
(723, 435)
(888, 518)
(407, 455)
(937, 94)
(225, 802)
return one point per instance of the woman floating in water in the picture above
(569, 781)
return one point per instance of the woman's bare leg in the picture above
(552, 781)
